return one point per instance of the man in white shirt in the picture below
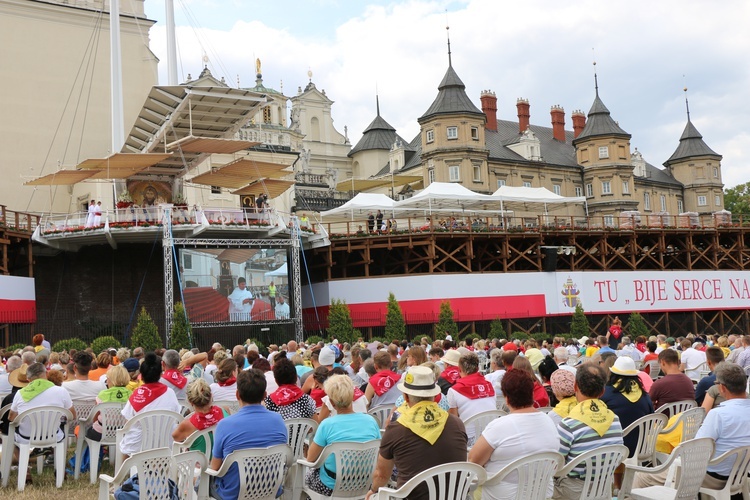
(561, 356)
(691, 359)
(14, 363)
(629, 350)
(282, 308)
(241, 302)
(83, 389)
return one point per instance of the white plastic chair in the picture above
(738, 480)
(156, 430)
(355, 464)
(261, 470)
(671, 409)
(206, 434)
(692, 457)
(381, 413)
(111, 421)
(534, 474)
(691, 421)
(654, 369)
(155, 469)
(648, 428)
(83, 409)
(450, 481)
(230, 406)
(479, 422)
(45, 423)
(298, 430)
(600, 465)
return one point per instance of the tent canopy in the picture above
(282, 271)
(510, 196)
(359, 206)
(446, 195)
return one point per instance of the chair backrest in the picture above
(110, 415)
(380, 413)
(534, 474)
(230, 406)
(738, 475)
(671, 409)
(45, 422)
(156, 428)
(691, 421)
(185, 464)
(654, 369)
(206, 434)
(449, 481)
(479, 421)
(600, 465)
(355, 464)
(261, 470)
(648, 428)
(298, 430)
(83, 408)
(155, 468)
(694, 456)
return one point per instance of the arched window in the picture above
(314, 129)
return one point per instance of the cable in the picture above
(179, 281)
(307, 273)
(138, 297)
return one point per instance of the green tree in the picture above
(497, 331)
(181, 335)
(737, 199)
(68, 344)
(636, 326)
(395, 326)
(340, 321)
(446, 325)
(103, 343)
(579, 326)
(145, 334)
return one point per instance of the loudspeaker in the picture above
(550, 259)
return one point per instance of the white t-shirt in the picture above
(514, 436)
(692, 358)
(5, 386)
(225, 393)
(271, 384)
(131, 441)
(54, 396)
(83, 390)
(209, 372)
(359, 405)
(495, 378)
(467, 408)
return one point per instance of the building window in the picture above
(430, 136)
(625, 187)
(452, 132)
(716, 172)
(663, 201)
(500, 183)
(454, 173)
(215, 190)
(267, 115)
(679, 207)
(609, 220)
(475, 133)
(590, 190)
(603, 152)
(477, 172)
(606, 187)
(717, 200)
(556, 189)
(646, 201)
(702, 201)
(187, 261)
(579, 191)
(431, 176)
(526, 184)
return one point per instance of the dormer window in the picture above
(452, 133)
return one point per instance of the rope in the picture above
(179, 281)
(138, 297)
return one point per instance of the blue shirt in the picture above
(703, 386)
(727, 426)
(235, 433)
(357, 427)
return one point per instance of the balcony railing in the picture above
(18, 221)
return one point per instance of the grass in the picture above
(43, 486)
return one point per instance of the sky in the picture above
(646, 53)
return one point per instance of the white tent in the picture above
(359, 206)
(509, 195)
(446, 196)
(281, 271)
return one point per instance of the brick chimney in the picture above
(523, 114)
(558, 122)
(489, 108)
(579, 122)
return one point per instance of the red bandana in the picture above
(145, 394)
(451, 374)
(357, 394)
(205, 420)
(383, 381)
(175, 378)
(229, 381)
(317, 395)
(616, 331)
(474, 386)
(286, 394)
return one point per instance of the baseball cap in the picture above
(327, 357)
(131, 364)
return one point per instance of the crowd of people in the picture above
(562, 395)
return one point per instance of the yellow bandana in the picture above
(634, 394)
(425, 419)
(563, 407)
(594, 413)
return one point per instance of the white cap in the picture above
(449, 338)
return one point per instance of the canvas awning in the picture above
(61, 178)
(235, 255)
(365, 184)
(124, 160)
(192, 144)
(273, 187)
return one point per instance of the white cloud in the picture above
(537, 49)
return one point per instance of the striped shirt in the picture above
(576, 438)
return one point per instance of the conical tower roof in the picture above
(691, 145)
(379, 134)
(451, 98)
(599, 122)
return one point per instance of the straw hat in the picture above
(17, 377)
(624, 366)
(451, 357)
(419, 381)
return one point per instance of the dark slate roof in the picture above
(656, 174)
(691, 145)
(451, 98)
(412, 158)
(379, 134)
(599, 122)
(553, 151)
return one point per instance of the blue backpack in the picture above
(131, 489)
